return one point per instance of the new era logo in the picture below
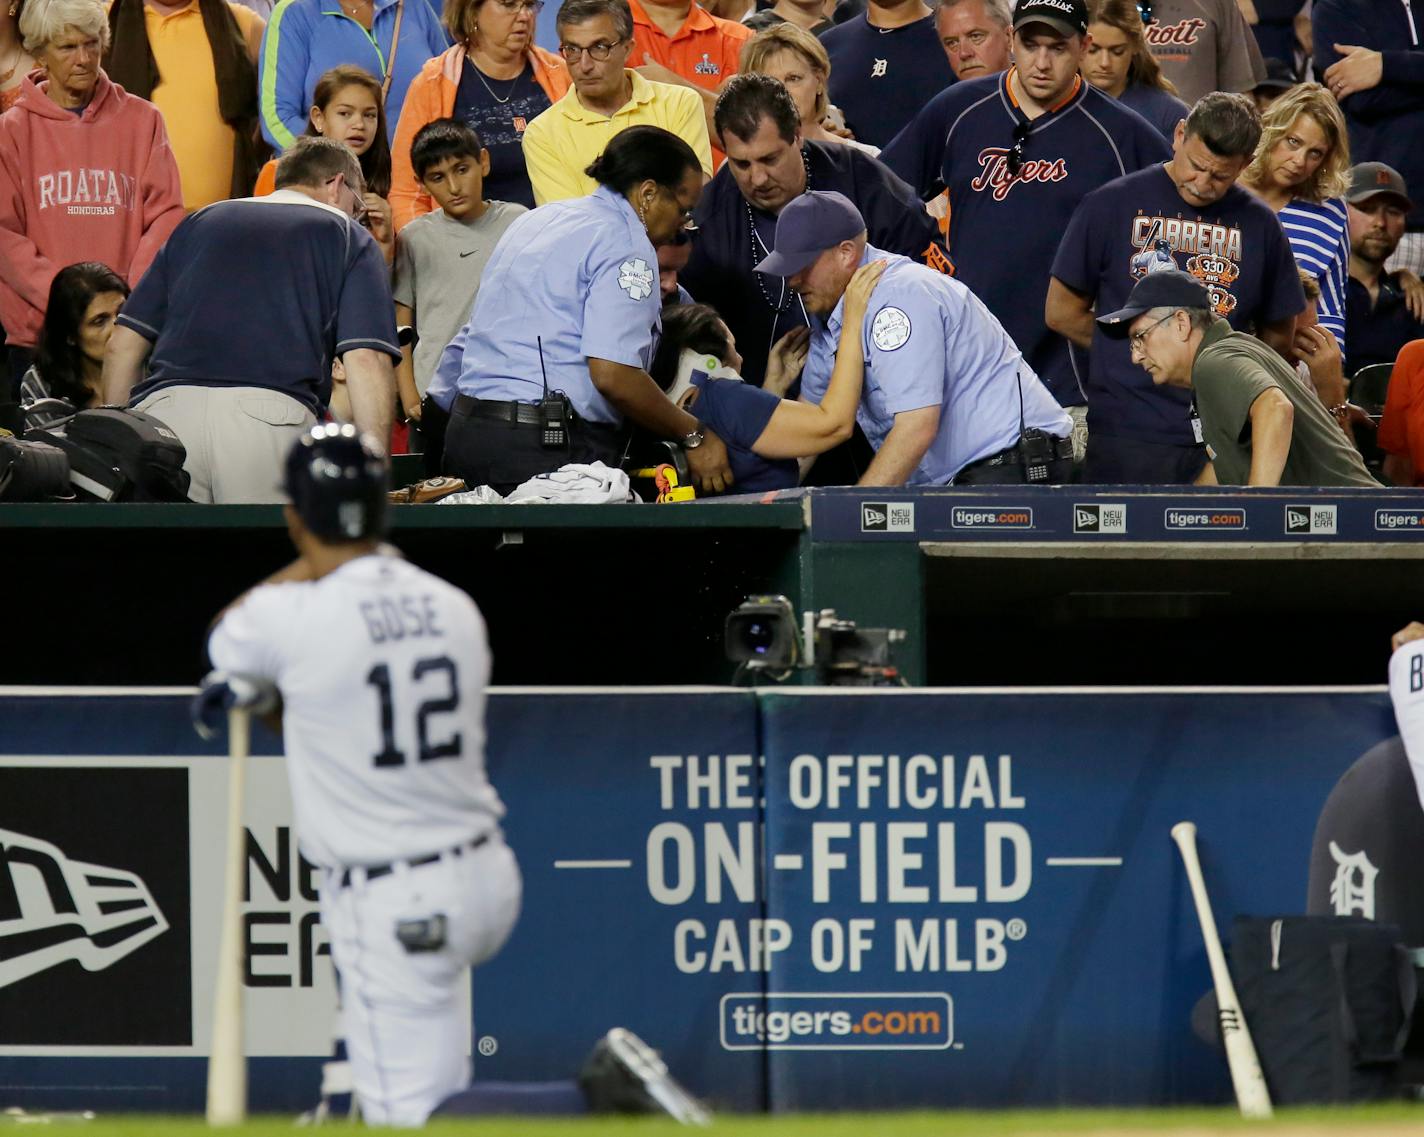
(887, 517)
(1100, 518)
(54, 910)
(1304, 519)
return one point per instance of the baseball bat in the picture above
(1252, 1096)
(227, 1065)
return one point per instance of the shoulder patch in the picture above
(635, 277)
(890, 328)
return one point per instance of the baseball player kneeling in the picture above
(381, 670)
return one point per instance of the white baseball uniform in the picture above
(1406, 689)
(382, 670)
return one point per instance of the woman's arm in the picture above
(798, 430)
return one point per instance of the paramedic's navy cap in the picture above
(1373, 179)
(809, 225)
(1169, 288)
(1067, 16)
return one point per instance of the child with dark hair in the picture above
(84, 298)
(441, 256)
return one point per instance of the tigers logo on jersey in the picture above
(994, 172)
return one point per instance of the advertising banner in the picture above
(978, 898)
(804, 899)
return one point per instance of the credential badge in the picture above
(890, 329)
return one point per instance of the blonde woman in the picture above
(1119, 63)
(796, 58)
(1301, 170)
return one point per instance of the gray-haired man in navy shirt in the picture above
(240, 316)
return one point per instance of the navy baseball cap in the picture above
(1169, 288)
(1067, 16)
(809, 225)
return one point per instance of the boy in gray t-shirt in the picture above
(441, 256)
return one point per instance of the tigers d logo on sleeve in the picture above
(635, 277)
(890, 328)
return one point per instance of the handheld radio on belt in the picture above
(1035, 447)
(555, 410)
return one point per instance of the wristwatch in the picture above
(692, 441)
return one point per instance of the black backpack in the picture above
(1329, 1001)
(32, 471)
(119, 455)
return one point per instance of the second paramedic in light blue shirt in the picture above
(569, 304)
(947, 395)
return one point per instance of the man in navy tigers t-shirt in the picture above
(1018, 151)
(1188, 214)
(885, 65)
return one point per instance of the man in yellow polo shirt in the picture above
(595, 37)
(172, 43)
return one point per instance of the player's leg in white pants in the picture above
(406, 1026)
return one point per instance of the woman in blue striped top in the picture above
(1301, 170)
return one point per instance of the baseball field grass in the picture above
(1374, 1121)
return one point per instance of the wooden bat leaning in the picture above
(227, 1065)
(1252, 1095)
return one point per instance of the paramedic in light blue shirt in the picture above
(571, 293)
(947, 394)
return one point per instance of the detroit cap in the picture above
(1370, 179)
(1067, 16)
(1169, 288)
(809, 225)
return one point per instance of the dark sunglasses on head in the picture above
(1144, 9)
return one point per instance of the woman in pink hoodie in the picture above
(86, 173)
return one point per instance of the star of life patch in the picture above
(635, 277)
(890, 329)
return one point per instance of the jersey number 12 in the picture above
(380, 678)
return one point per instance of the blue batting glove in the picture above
(222, 691)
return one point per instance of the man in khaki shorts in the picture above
(241, 315)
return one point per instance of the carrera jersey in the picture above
(382, 669)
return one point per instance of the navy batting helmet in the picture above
(337, 482)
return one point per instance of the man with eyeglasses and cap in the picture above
(947, 397)
(595, 38)
(1188, 213)
(1018, 151)
(1262, 424)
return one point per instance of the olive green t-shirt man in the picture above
(1231, 371)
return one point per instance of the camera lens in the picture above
(760, 636)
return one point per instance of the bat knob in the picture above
(1184, 830)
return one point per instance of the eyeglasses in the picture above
(685, 214)
(1016, 152)
(357, 209)
(598, 52)
(1144, 9)
(1137, 339)
(513, 7)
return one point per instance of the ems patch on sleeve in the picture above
(890, 329)
(635, 277)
